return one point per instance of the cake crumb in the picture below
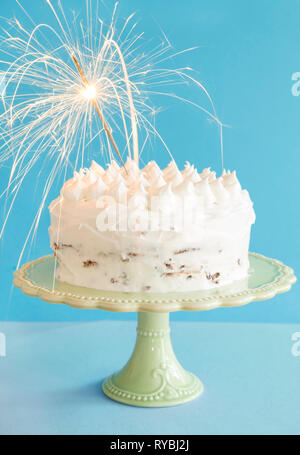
(181, 251)
(89, 263)
(213, 277)
(187, 250)
(146, 288)
(57, 246)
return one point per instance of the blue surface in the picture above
(50, 380)
(248, 51)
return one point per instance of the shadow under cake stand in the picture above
(153, 376)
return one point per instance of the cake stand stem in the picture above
(153, 375)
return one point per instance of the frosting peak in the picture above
(171, 187)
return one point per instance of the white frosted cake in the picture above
(151, 230)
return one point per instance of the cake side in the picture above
(150, 230)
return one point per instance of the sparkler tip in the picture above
(89, 92)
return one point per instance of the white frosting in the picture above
(218, 193)
(197, 224)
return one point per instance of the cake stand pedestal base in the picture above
(153, 375)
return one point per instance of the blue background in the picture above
(250, 378)
(248, 51)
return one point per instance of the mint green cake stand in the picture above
(153, 376)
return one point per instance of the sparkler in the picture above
(90, 93)
(55, 81)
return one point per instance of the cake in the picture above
(149, 230)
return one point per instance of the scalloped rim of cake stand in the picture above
(267, 277)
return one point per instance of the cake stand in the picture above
(153, 376)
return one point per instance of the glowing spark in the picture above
(89, 92)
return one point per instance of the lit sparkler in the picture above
(57, 80)
(89, 92)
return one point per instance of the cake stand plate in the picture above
(153, 376)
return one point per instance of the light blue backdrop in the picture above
(248, 51)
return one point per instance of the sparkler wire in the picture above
(105, 126)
